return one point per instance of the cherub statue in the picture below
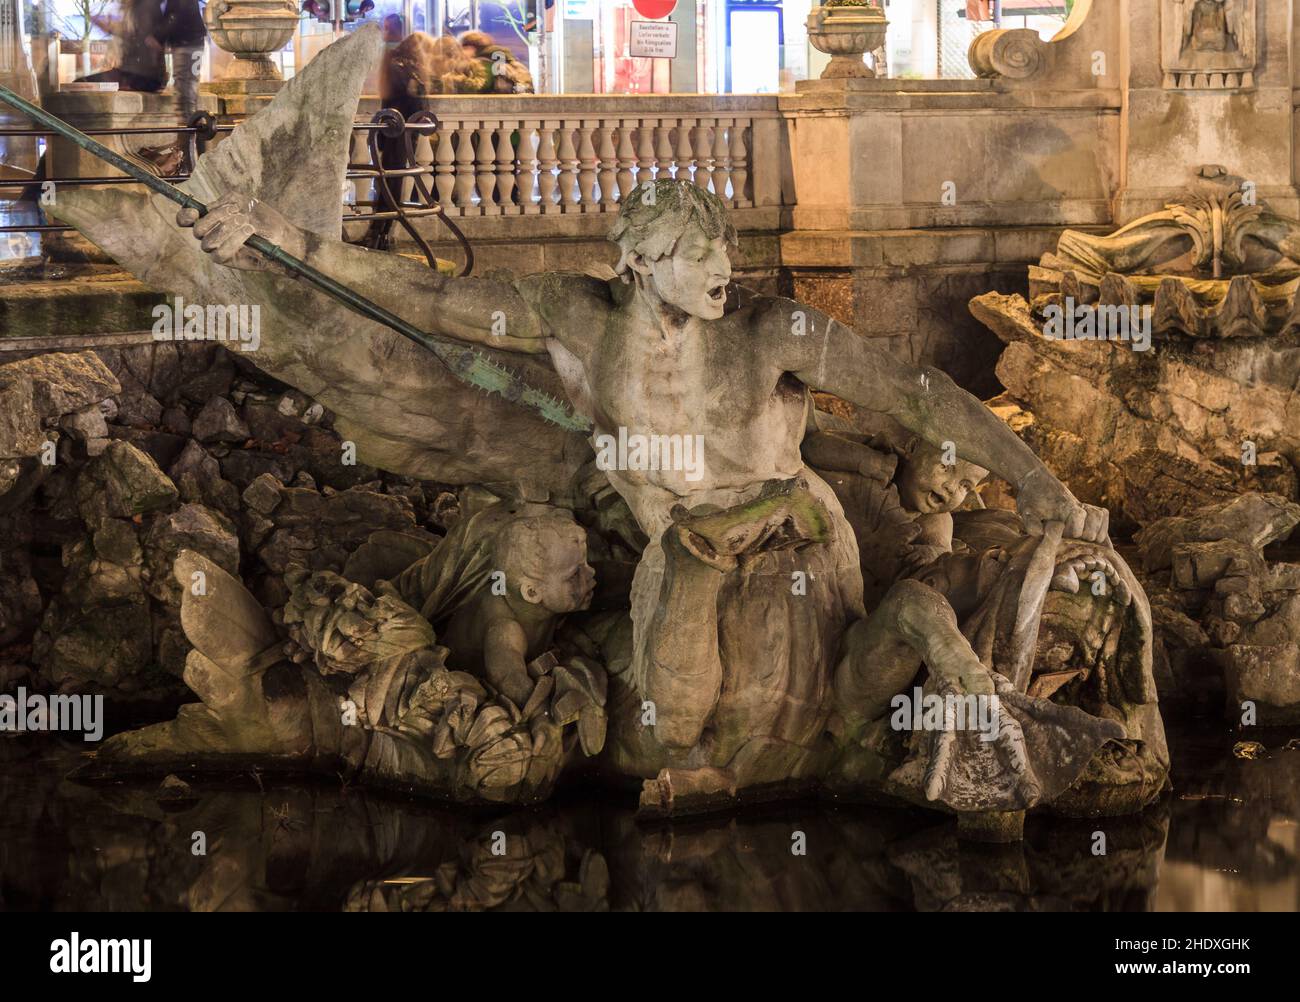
(751, 572)
(451, 710)
(898, 492)
(495, 586)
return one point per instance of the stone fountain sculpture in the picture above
(733, 657)
(1209, 409)
(1195, 441)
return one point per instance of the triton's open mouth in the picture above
(937, 500)
(718, 293)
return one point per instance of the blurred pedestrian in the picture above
(182, 33)
(140, 62)
(505, 74)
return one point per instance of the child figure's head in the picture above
(545, 561)
(928, 485)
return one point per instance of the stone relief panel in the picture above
(1208, 44)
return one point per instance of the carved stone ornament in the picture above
(1208, 44)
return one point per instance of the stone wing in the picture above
(402, 408)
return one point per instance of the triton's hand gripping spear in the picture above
(465, 363)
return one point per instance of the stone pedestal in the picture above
(238, 99)
(88, 111)
(912, 195)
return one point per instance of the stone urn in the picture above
(845, 31)
(251, 30)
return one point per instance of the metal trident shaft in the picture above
(464, 363)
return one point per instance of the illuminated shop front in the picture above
(587, 46)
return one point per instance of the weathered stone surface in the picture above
(124, 481)
(1225, 599)
(1254, 520)
(218, 421)
(35, 392)
(189, 527)
(1182, 389)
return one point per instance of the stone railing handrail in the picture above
(539, 155)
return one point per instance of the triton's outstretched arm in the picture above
(829, 356)
(474, 310)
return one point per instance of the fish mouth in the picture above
(718, 293)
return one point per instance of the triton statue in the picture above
(740, 661)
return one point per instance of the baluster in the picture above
(506, 170)
(645, 151)
(722, 159)
(568, 157)
(587, 165)
(547, 163)
(608, 173)
(664, 149)
(626, 158)
(739, 164)
(422, 150)
(685, 150)
(485, 166)
(444, 168)
(705, 152)
(530, 139)
(465, 170)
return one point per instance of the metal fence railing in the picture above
(381, 196)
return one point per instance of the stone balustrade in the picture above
(558, 155)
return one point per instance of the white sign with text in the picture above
(654, 40)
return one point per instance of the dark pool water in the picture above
(1228, 838)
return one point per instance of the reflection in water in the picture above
(1227, 839)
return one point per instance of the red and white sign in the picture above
(654, 9)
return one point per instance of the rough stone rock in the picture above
(20, 597)
(96, 635)
(1254, 520)
(85, 424)
(1223, 597)
(1156, 433)
(189, 527)
(206, 372)
(122, 482)
(1267, 676)
(35, 392)
(138, 410)
(197, 476)
(316, 532)
(175, 420)
(218, 421)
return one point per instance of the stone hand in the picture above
(230, 221)
(1041, 498)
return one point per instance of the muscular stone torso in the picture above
(705, 378)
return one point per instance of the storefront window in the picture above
(618, 70)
